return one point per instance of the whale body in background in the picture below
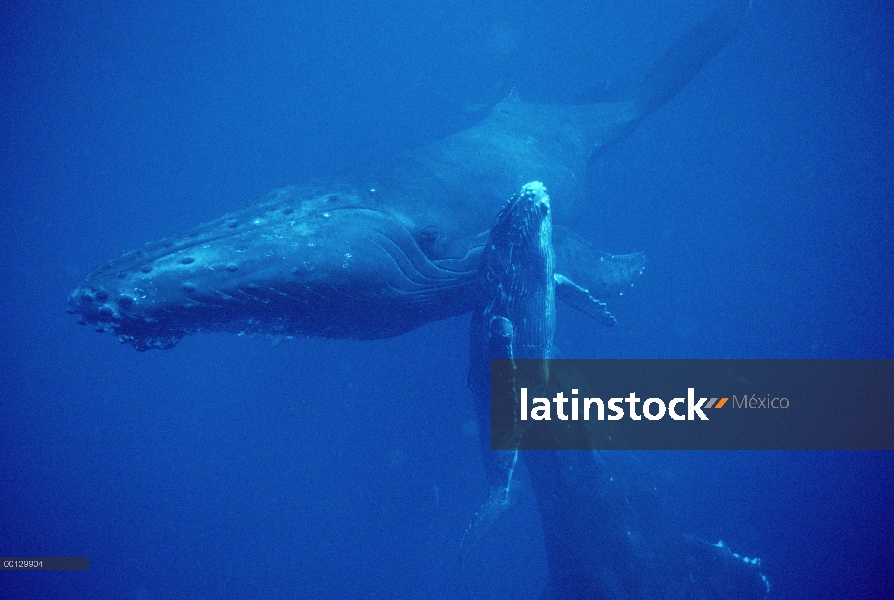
(380, 250)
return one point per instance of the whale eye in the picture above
(429, 235)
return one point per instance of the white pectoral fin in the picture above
(600, 273)
(580, 298)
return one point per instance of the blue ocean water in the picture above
(233, 467)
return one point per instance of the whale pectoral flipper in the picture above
(688, 56)
(580, 298)
(585, 277)
(673, 71)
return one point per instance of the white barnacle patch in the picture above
(301, 228)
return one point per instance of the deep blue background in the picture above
(230, 467)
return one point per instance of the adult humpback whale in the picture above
(379, 250)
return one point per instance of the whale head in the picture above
(300, 262)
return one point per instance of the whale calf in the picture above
(515, 318)
(382, 249)
(604, 535)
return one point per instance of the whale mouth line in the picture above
(411, 261)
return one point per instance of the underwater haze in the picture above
(237, 466)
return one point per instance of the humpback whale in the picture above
(382, 249)
(598, 543)
(515, 319)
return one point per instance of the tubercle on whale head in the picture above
(299, 263)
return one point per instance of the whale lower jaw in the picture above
(265, 307)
